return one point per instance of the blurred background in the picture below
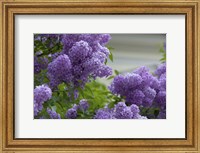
(135, 50)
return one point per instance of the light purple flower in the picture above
(161, 69)
(83, 105)
(53, 114)
(103, 114)
(42, 93)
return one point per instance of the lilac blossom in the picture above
(120, 111)
(86, 62)
(72, 112)
(103, 114)
(59, 70)
(42, 93)
(53, 114)
(83, 105)
(135, 109)
(161, 69)
(138, 87)
(160, 99)
(84, 56)
(96, 41)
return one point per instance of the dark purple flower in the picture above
(59, 70)
(53, 114)
(161, 98)
(71, 113)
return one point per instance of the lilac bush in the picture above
(66, 67)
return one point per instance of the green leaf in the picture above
(156, 112)
(88, 88)
(111, 56)
(110, 48)
(46, 80)
(80, 90)
(111, 77)
(106, 61)
(60, 110)
(116, 72)
(62, 87)
(59, 107)
(162, 50)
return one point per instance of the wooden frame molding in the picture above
(10, 8)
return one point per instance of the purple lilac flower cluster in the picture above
(95, 41)
(120, 111)
(83, 56)
(72, 113)
(41, 94)
(160, 99)
(53, 114)
(138, 87)
(59, 70)
(142, 88)
(82, 106)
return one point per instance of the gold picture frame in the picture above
(189, 8)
